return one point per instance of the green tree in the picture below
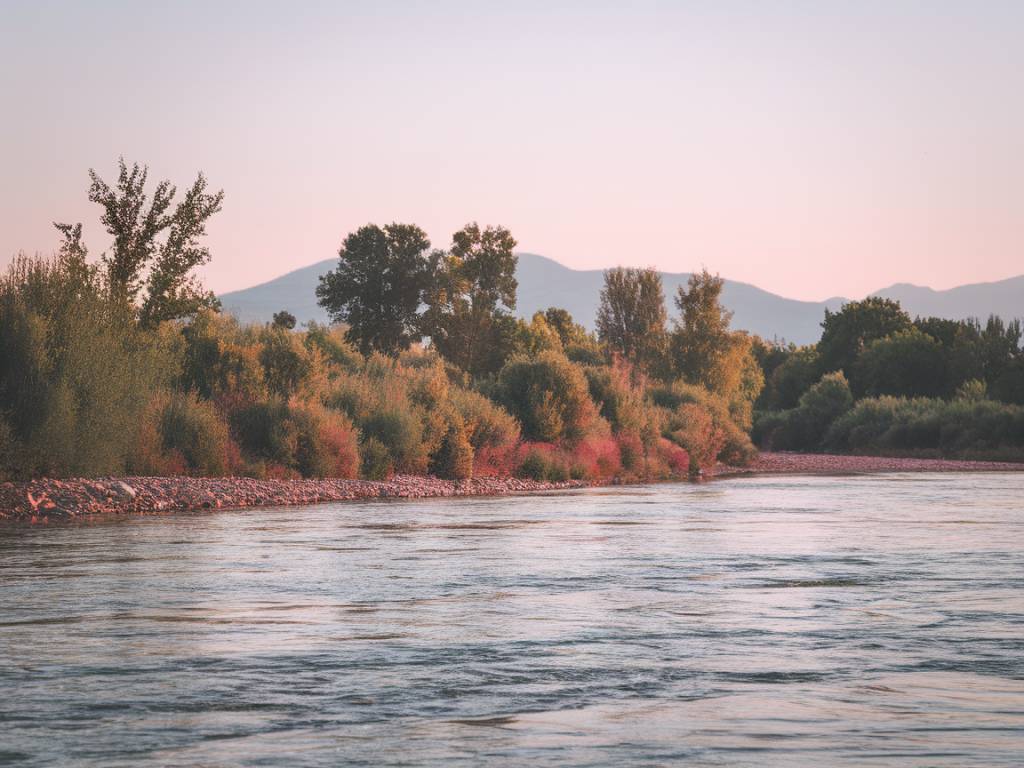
(470, 300)
(906, 364)
(846, 333)
(706, 352)
(701, 339)
(631, 317)
(378, 285)
(156, 247)
(284, 320)
(791, 378)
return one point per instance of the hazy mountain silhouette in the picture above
(545, 283)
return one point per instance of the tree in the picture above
(907, 364)
(470, 300)
(631, 317)
(155, 248)
(378, 285)
(848, 332)
(284, 320)
(701, 338)
(790, 379)
(706, 352)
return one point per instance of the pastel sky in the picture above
(812, 148)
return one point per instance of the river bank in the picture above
(44, 499)
(836, 464)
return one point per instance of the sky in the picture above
(815, 149)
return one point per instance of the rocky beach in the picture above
(840, 464)
(43, 500)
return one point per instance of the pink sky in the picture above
(813, 149)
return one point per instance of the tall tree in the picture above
(378, 285)
(631, 317)
(846, 333)
(706, 352)
(701, 339)
(156, 247)
(469, 304)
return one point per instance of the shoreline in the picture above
(39, 501)
(792, 463)
(42, 500)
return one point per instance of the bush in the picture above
(331, 343)
(75, 374)
(545, 463)
(401, 432)
(487, 424)
(694, 430)
(534, 466)
(9, 451)
(805, 427)
(286, 362)
(453, 460)
(960, 428)
(549, 396)
(376, 460)
(702, 423)
(326, 443)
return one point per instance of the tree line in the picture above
(878, 381)
(124, 363)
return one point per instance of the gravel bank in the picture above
(832, 464)
(41, 500)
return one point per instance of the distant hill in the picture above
(545, 283)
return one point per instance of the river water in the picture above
(874, 620)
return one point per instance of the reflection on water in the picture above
(758, 621)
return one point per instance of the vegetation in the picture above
(124, 364)
(631, 317)
(879, 382)
(378, 286)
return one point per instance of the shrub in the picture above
(75, 374)
(376, 460)
(194, 429)
(696, 432)
(805, 426)
(326, 443)
(694, 415)
(331, 343)
(584, 354)
(9, 450)
(453, 460)
(960, 428)
(401, 432)
(266, 432)
(545, 463)
(286, 362)
(487, 424)
(549, 396)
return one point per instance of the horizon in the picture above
(813, 153)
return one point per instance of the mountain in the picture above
(545, 283)
(1004, 298)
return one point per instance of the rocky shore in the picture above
(834, 464)
(43, 500)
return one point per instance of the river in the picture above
(768, 621)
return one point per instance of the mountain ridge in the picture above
(544, 282)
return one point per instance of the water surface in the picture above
(757, 621)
